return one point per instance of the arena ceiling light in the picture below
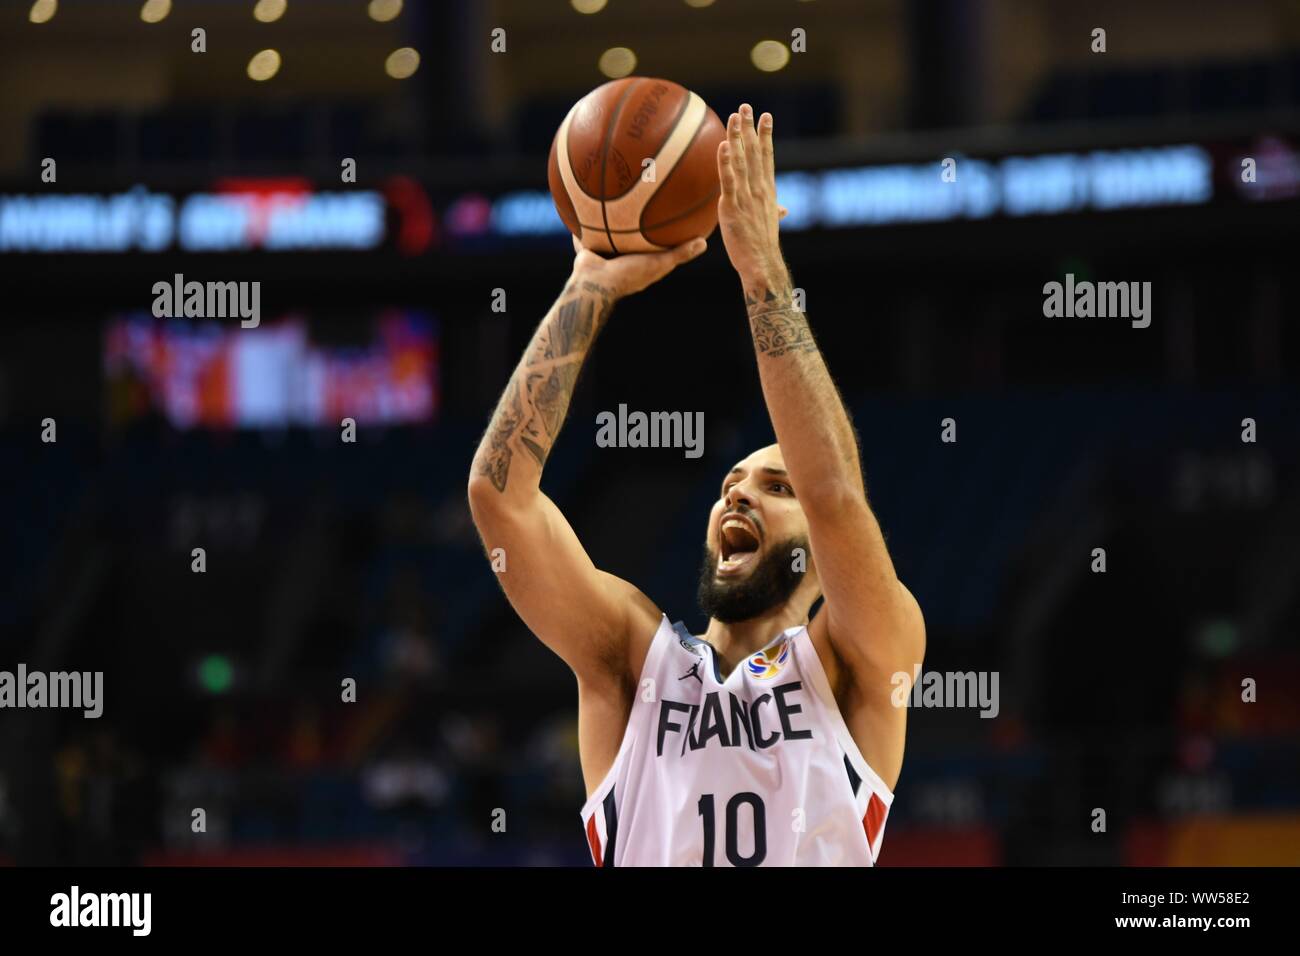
(617, 61)
(264, 65)
(384, 10)
(402, 63)
(268, 11)
(155, 11)
(43, 10)
(769, 55)
(588, 6)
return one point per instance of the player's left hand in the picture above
(632, 271)
(748, 213)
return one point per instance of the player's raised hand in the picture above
(632, 271)
(748, 213)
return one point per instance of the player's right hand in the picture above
(748, 213)
(632, 271)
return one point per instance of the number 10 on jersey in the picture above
(759, 815)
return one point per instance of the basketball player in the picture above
(770, 739)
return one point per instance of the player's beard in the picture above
(771, 582)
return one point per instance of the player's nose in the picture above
(738, 495)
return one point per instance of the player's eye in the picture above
(779, 487)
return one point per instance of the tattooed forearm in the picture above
(494, 452)
(571, 326)
(807, 412)
(778, 327)
(551, 398)
(537, 398)
(534, 449)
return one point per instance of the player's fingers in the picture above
(766, 149)
(577, 246)
(726, 170)
(662, 263)
(753, 154)
(736, 143)
(687, 251)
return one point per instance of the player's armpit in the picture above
(599, 624)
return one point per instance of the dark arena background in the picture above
(1101, 514)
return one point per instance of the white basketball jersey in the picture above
(754, 770)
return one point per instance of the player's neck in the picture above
(736, 641)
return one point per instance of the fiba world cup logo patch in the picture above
(769, 661)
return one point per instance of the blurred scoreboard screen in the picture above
(402, 217)
(203, 374)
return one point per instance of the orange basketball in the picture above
(633, 167)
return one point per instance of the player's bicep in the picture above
(582, 613)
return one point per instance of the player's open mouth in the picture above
(738, 544)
